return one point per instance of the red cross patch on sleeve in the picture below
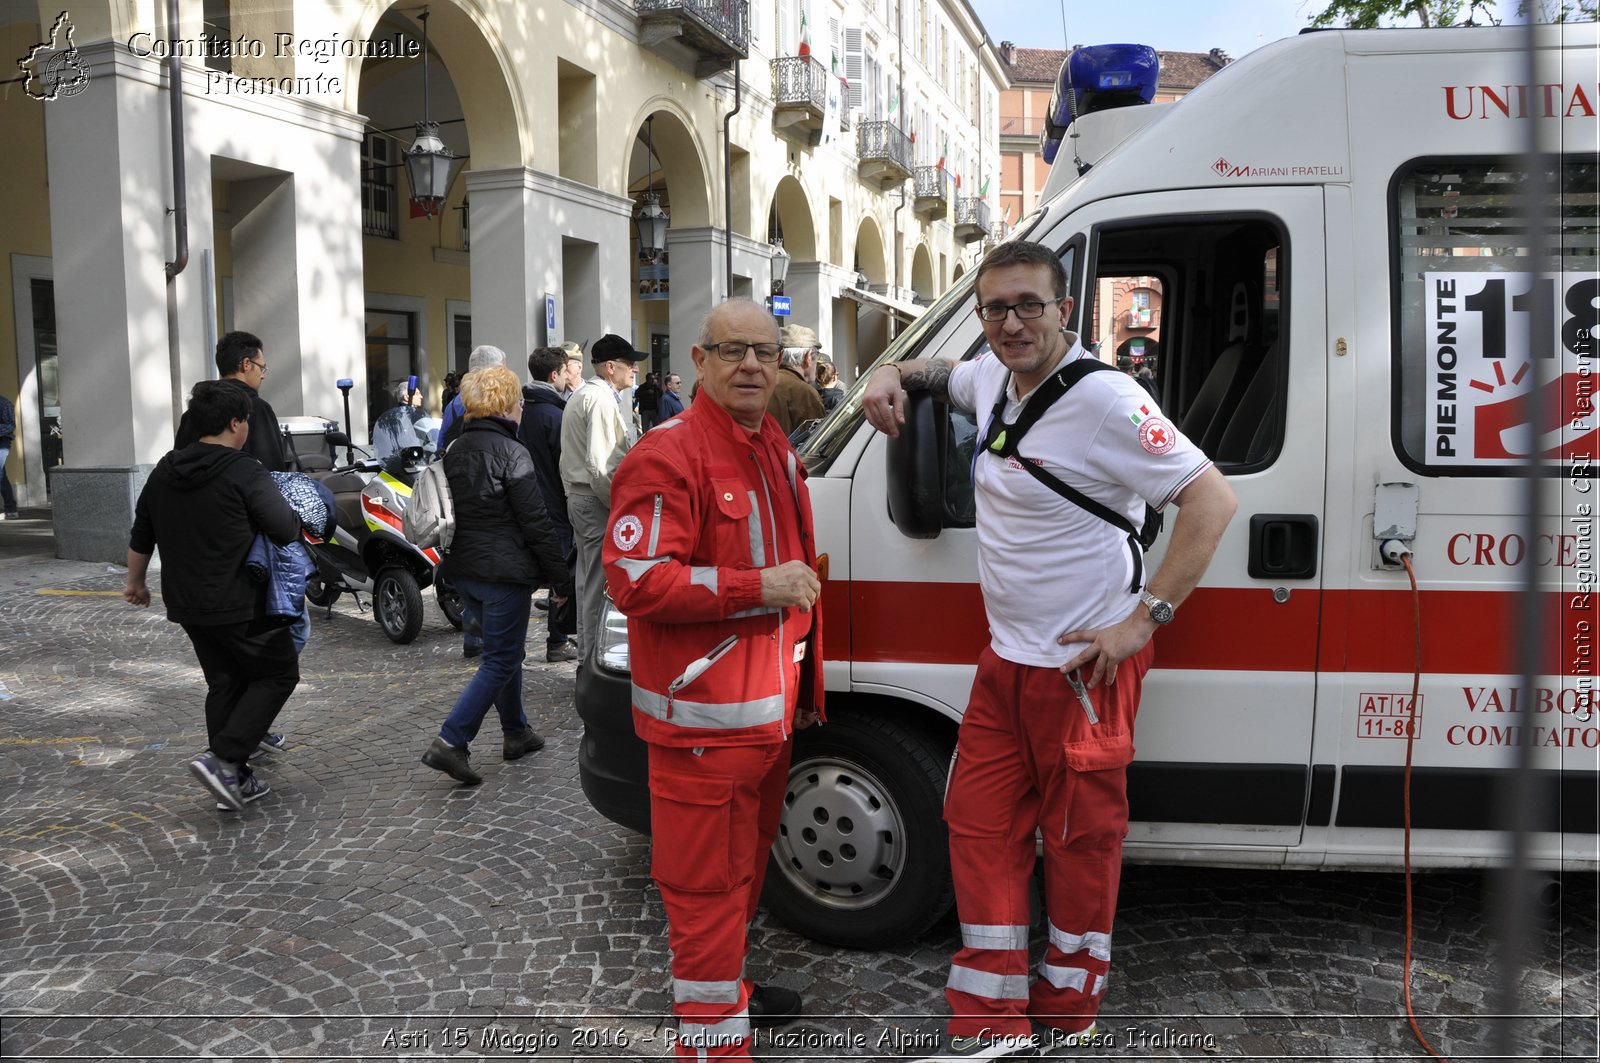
(1156, 435)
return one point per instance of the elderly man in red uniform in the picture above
(712, 556)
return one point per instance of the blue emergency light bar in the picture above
(1098, 78)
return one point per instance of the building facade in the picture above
(847, 140)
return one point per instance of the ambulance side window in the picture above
(1197, 310)
(1464, 299)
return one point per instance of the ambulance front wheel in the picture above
(861, 859)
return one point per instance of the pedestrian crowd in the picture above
(695, 520)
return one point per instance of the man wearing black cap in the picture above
(594, 438)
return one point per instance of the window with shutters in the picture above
(379, 198)
(854, 68)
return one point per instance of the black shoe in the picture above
(773, 1005)
(525, 742)
(452, 761)
(542, 604)
(560, 653)
(469, 652)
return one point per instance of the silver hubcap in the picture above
(841, 838)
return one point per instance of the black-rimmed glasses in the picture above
(1027, 310)
(735, 350)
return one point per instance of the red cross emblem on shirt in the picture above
(1156, 436)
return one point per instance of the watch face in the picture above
(1160, 611)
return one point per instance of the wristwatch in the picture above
(1160, 611)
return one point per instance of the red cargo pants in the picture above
(713, 818)
(1028, 759)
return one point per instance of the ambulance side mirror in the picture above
(915, 462)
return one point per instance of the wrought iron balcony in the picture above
(883, 153)
(800, 96)
(933, 190)
(708, 34)
(972, 219)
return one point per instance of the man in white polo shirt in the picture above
(1048, 731)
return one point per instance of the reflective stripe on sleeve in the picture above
(638, 566)
(729, 1031)
(703, 576)
(986, 985)
(1098, 945)
(685, 991)
(1064, 977)
(701, 714)
(765, 610)
(993, 936)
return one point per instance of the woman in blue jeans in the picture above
(504, 546)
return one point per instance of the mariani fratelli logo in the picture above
(54, 69)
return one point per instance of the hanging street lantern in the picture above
(651, 221)
(780, 265)
(430, 166)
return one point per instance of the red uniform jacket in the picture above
(698, 508)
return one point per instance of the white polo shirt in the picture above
(1046, 565)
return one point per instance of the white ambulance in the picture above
(1333, 252)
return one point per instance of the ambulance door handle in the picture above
(1283, 546)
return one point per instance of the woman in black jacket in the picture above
(504, 546)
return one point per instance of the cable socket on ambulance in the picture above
(1394, 522)
(1394, 551)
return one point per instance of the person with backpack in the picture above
(502, 547)
(1069, 460)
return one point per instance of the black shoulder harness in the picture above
(1001, 439)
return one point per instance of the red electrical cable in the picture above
(1411, 734)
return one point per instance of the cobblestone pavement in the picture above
(370, 909)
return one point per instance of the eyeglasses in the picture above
(734, 351)
(258, 363)
(1027, 310)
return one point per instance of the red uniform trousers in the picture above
(714, 816)
(1028, 758)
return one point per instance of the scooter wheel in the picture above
(397, 604)
(320, 594)
(449, 601)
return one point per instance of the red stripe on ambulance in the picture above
(1237, 628)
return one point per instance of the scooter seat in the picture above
(348, 503)
(341, 482)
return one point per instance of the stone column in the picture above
(110, 182)
(533, 234)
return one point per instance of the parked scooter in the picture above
(367, 552)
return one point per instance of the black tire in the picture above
(862, 859)
(449, 600)
(321, 594)
(397, 604)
